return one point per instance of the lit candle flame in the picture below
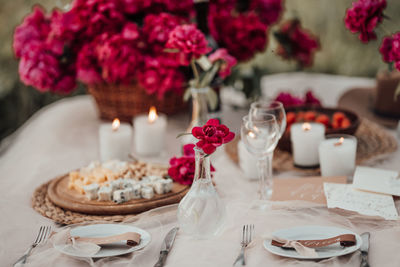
(341, 140)
(152, 114)
(115, 124)
(306, 126)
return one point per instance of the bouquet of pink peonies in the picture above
(124, 42)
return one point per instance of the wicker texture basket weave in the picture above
(126, 101)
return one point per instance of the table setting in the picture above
(163, 163)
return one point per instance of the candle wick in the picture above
(338, 143)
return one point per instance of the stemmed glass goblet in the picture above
(264, 108)
(260, 136)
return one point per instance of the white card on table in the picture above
(377, 180)
(343, 196)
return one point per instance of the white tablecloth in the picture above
(63, 136)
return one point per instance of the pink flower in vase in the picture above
(296, 43)
(228, 61)
(189, 41)
(212, 135)
(243, 35)
(363, 17)
(390, 49)
(269, 10)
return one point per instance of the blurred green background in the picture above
(341, 53)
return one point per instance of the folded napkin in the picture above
(89, 246)
(306, 247)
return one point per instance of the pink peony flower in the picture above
(212, 135)
(310, 99)
(386, 49)
(363, 17)
(288, 99)
(33, 30)
(182, 169)
(88, 19)
(227, 61)
(157, 77)
(181, 7)
(242, 35)
(390, 49)
(189, 41)
(156, 28)
(296, 43)
(188, 150)
(40, 68)
(269, 10)
(87, 65)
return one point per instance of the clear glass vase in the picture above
(199, 107)
(201, 213)
(199, 112)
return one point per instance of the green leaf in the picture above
(182, 134)
(204, 63)
(212, 99)
(209, 75)
(187, 95)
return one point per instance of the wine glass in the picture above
(262, 108)
(260, 136)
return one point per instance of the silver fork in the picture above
(43, 234)
(247, 236)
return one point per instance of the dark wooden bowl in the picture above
(285, 143)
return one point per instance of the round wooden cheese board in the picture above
(59, 193)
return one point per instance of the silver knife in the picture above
(364, 249)
(166, 246)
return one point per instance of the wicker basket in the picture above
(125, 102)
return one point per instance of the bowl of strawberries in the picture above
(336, 121)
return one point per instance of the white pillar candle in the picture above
(305, 139)
(247, 162)
(115, 140)
(337, 155)
(149, 133)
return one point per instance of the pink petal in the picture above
(208, 149)
(213, 122)
(197, 132)
(229, 137)
(188, 150)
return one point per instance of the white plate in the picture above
(103, 230)
(312, 232)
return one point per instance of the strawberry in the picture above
(345, 123)
(338, 117)
(310, 116)
(324, 119)
(290, 118)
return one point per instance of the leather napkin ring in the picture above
(346, 240)
(132, 239)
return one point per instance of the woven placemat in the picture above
(42, 204)
(373, 142)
